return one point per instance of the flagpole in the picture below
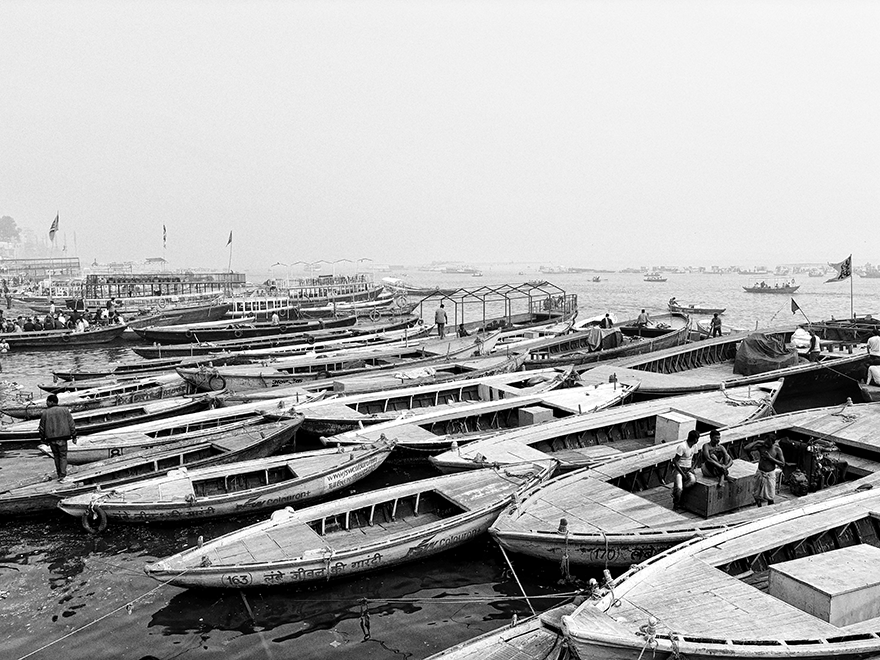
(852, 313)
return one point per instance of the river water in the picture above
(64, 593)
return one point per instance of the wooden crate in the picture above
(706, 499)
(534, 415)
(841, 587)
(673, 427)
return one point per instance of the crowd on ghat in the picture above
(78, 320)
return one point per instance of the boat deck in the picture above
(738, 610)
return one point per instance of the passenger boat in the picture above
(436, 430)
(679, 308)
(594, 344)
(115, 394)
(765, 288)
(237, 441)
(355, 411)
(214, 311)
(620, 512)
(103, 419)
(143, 368)
(187, 334)
(241, 487)
(800, 584)
(402, 329)
(109, 444)
(654, 277)
(63, 338)
(856, 330)
(538, 636)
(709, 365)
(352, 535)
(587, 440)
(308, 368)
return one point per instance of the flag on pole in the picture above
(794, 306)
(844, 270)
(164, 237)
(229, 242)
(53, 228)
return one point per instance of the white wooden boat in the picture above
(233, 488)
(437, 430)
(537, 637)
(800, 584)
(620, 512)
(246, 439)
(116, 394)
(586, 440)
(349, 536)
(340, 414)
(109, 444)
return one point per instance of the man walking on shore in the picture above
(56, 428)
(440, 321)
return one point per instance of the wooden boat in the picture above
(678, 308)
(786, 290)
(436, 430)
(588, 346)
(238, 441)
(308, 368)
(856, 330)
(340, 414)
(109, 444)
(362, 334)
(188, 334)
(118, 393)
(213, 311)
(587, 440)
(801, 584)
(537, 636)
(708, 365)
(352, 535)
(63, 338)
(233, 488)
(660, 325)
(870, 393)
(103, 419)
(620, 512)
(143, 368)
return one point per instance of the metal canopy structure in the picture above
(503, 301)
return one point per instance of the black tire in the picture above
(217, 383)
(162, 303)
(375, 315)
(94, 520)
(238, 333)
(189, 334)
(310, 340)
(401, 301)
(65, 338)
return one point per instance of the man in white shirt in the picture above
(874, 348)
(683, 464)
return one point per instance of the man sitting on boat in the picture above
(606, 322)
(770, 457)
(874, 348)
(683, 464)
(642, 319)
(716, 460)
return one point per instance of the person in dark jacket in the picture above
(56, 428)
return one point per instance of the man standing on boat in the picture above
(769, 458)
(440, 321)
(716, 325)
(56, 428)
(683, 464)
(642, 320)
(814, 350)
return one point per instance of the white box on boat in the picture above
(534, 415)
(841, 587)
(673, 427)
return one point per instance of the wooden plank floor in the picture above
(693, 598)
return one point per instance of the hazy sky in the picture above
(585, 133)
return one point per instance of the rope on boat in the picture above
(128, 607)
(516, 577)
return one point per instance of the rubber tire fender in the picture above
(94, 520)
(162, 303)
(237, 333)
(65, 338)
(401, 301)
(375, 315)
(217, 383)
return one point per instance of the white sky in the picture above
(587, 133)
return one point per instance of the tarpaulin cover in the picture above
(759, 353)
(599, 339)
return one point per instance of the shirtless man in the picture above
(716, 460)
(765, 478)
